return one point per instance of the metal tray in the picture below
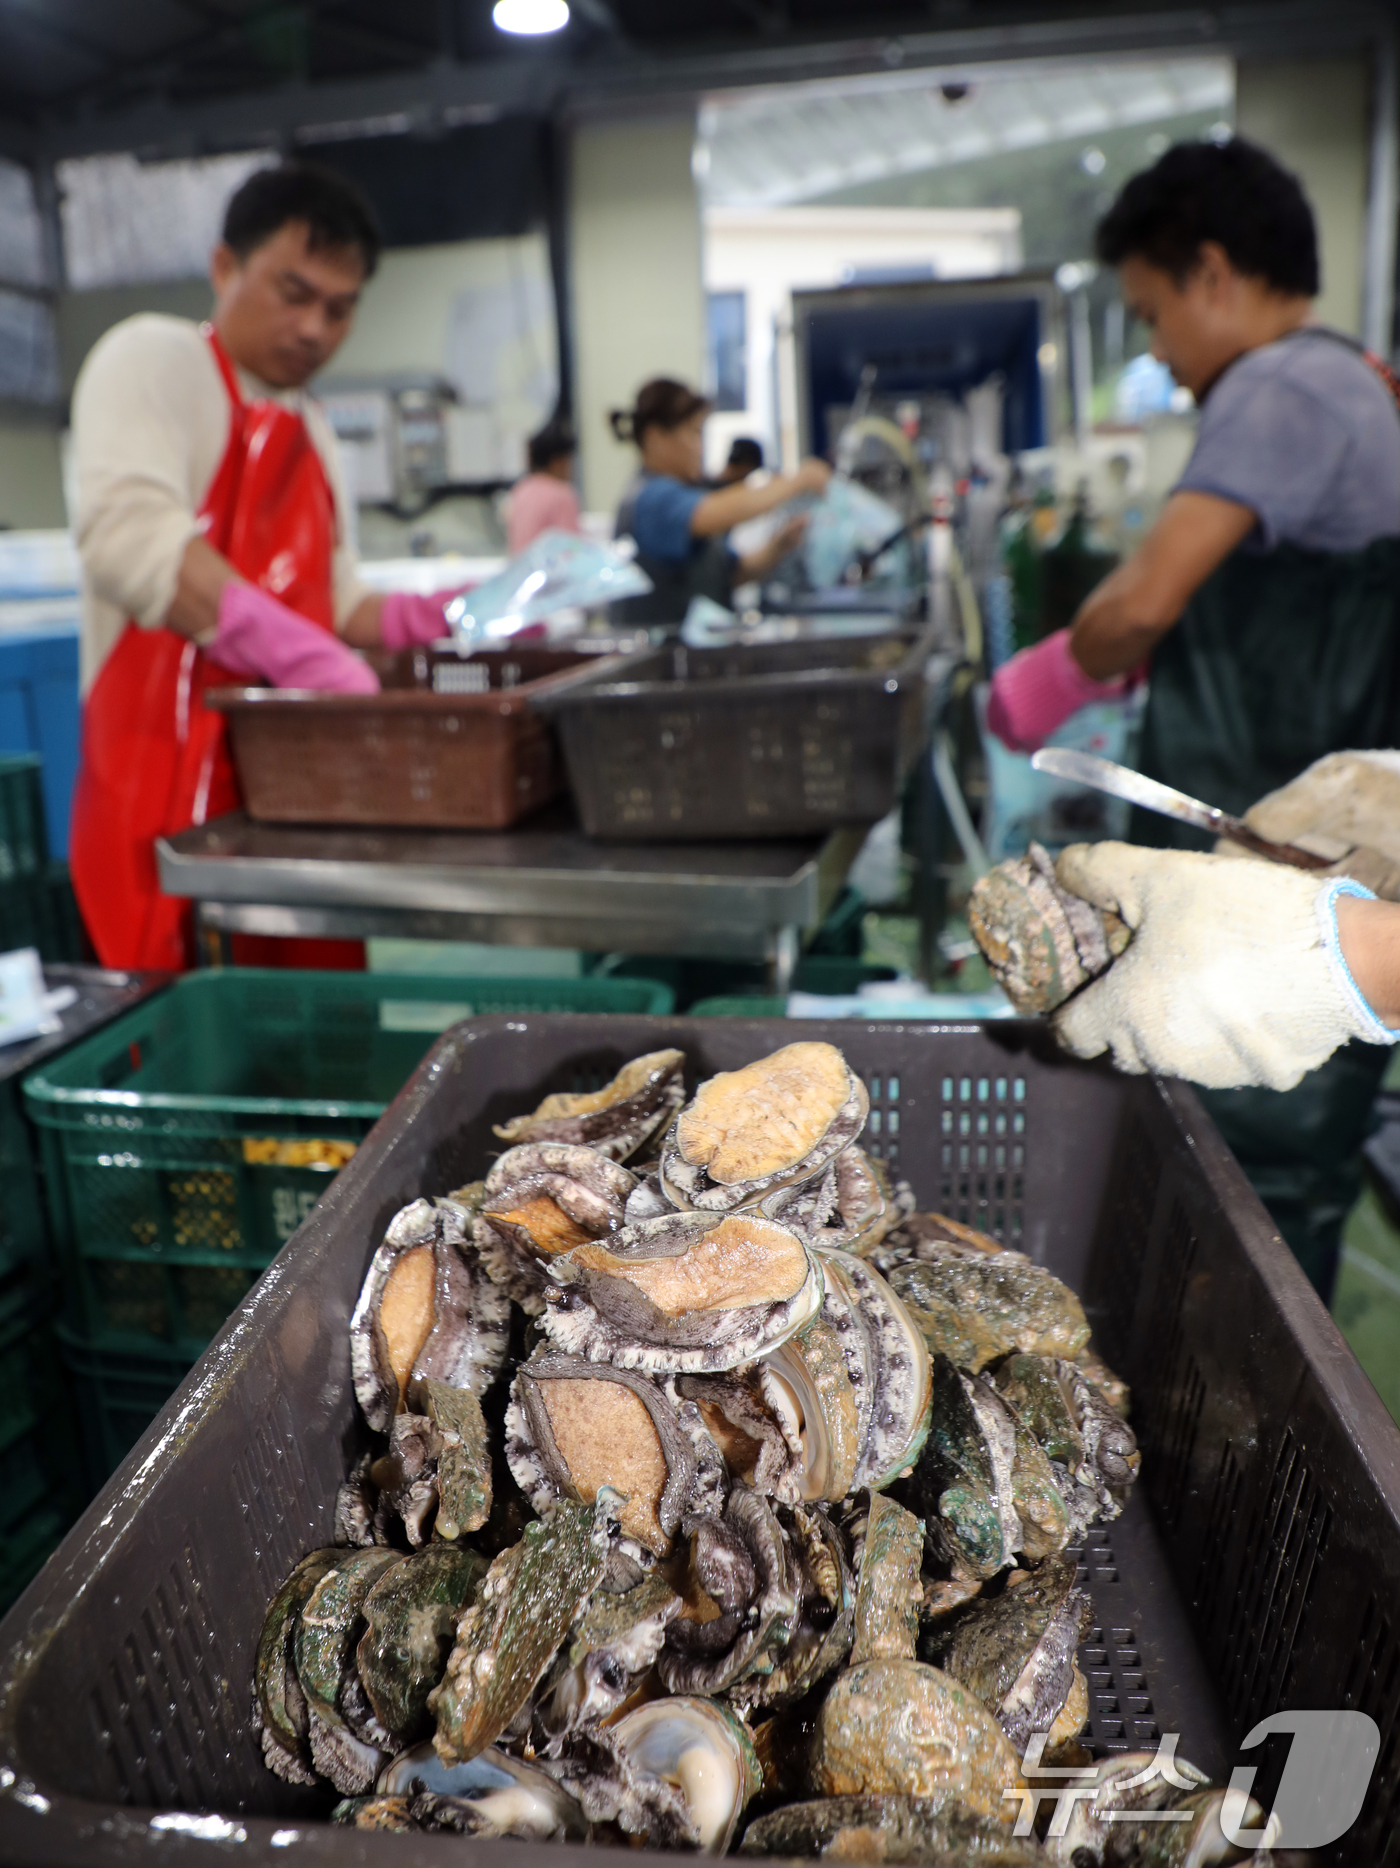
(1258, 1567)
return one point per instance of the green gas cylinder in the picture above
(1079, 558)
(1023, 532)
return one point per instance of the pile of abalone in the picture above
(718, 1498)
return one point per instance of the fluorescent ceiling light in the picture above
(530, 16)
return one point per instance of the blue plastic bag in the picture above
(559, 571)
(847, 520)
(1024, 805)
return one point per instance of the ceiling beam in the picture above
(222, 33)
(26, 19)
(423, 99)
(542, 80)
(1294, 28)
(375, 38)
(770, 17)
(119, 75)
(601, 15)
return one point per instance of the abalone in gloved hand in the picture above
(1041, 943)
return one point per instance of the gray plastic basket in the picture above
(777, 740)
(1258, 1568)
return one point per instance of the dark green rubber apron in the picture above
(1280, 657)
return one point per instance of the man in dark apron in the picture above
(1268, 594)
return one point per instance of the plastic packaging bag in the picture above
(27, 1008)
(559, 571)
(1023, 804)
(846, 521)
(708, 624)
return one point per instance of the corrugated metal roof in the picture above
(781, 146)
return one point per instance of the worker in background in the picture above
(679, 525)
(213, 528)
(745, 458)
(545, 500)
(1266, 599)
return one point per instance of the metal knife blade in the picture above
(1087, 768)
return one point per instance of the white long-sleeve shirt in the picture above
(150, 426)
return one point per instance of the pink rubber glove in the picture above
(262, 640)
(1038, 690)
(409, 622)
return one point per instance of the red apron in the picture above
(154, 759)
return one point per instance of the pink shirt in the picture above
(539, 503)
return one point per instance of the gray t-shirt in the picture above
(1306, 435)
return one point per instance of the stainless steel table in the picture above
(544, 885)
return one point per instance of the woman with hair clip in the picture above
(680, 528)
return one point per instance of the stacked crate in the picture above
(43, 1482)
(36, 898)
(40, 1485)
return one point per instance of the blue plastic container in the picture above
(39, 712)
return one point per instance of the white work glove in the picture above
(1345, 806)
(1233, 975)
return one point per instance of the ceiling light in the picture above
(530, 16)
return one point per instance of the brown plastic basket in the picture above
(452, 742)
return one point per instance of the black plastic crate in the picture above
(1257, 1566)
(40, 910)
(101, 997)
(66, 931)
(24, 842)
(778, 740)
(42, 1484)
(45, 1479)
(117, 1394)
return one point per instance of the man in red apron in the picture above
(213, 528)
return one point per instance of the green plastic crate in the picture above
(171, 1138)
(24, 846)
(42, 1487)
(740, 1005)
(117, 1397)
(695, 981)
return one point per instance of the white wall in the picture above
(83, 317)
(1315, 117)
(637, 295)
(479, 312)
(31, 477)
(770, 253)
